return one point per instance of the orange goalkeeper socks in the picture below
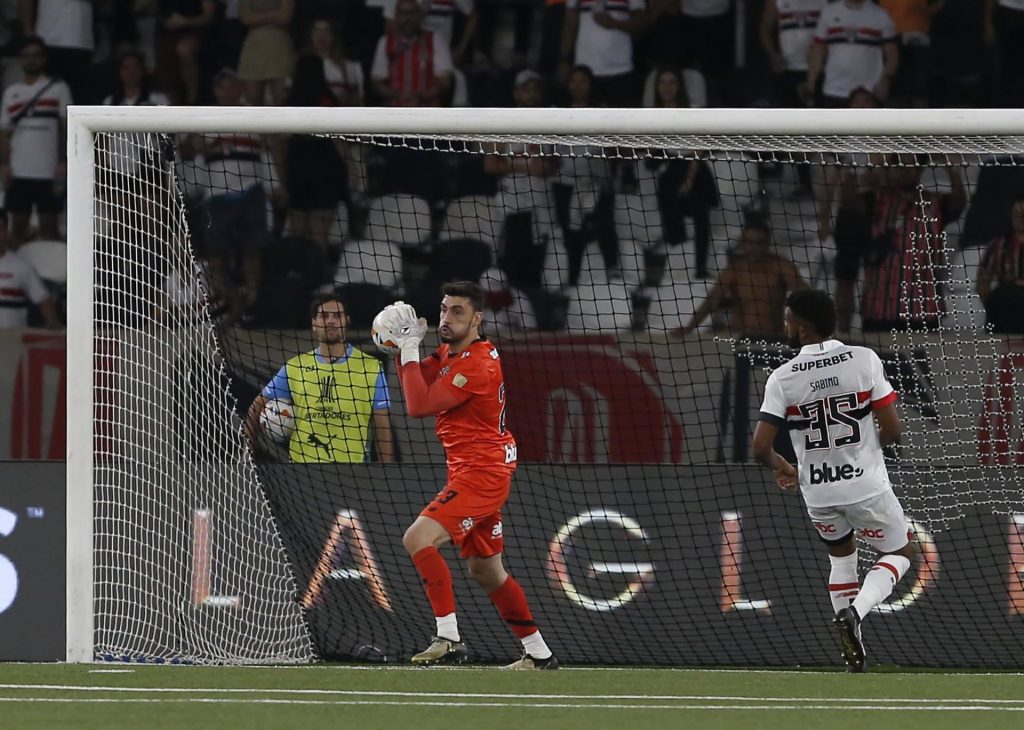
(511, 603)
(437, 580)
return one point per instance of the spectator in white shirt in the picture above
(855, 45)
(787, 32)
(66, 26)
(33, 153)
(344, 76)
(20, 286)
(599, 34)
(440, 18)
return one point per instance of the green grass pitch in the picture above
(326, 696)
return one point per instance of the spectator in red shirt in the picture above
(1004, 264)
(411, 67)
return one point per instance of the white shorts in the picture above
(879, 520)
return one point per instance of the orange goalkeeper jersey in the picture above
(473, 433)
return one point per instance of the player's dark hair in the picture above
(321, 299)
(816, 308)
(468, 289)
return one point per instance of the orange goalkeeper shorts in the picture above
(469, 508)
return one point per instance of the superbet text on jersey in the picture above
(825, 396)
(473, 434)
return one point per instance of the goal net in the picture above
(635, 267)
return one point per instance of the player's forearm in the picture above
(49, 313)
(252, 418)
(887, 436)
(417, 393)
(422, 400)
(770, 458)
(815, 62)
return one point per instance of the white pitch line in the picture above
(111, 671)
(491, 695)
(538, 705)
(325, 667)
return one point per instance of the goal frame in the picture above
(84, 122)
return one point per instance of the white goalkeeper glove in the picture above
(409, 331)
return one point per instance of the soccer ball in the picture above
(278, 420)
(383, 337)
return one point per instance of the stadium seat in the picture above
(460, 259)
(339, 226)
(638, 219)
(400, 219)
(473, 217)
(599, 307)
(370, 262)
(363, 301)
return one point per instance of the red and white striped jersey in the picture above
(34, 138)
(19, 285)
(411, 65)
(854, 36)
(607, 51)
(904, 285)
(236, 162)
(797, 20)
(439, 16)
(825, 396)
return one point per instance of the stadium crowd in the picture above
(597, 239)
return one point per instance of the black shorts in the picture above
(26, 193)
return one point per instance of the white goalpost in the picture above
(174, 552)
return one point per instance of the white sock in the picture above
(535, 646)
(447, 627)
(879, 582)
(842, 581)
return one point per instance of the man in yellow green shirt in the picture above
(339, 396)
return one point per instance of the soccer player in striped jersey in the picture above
(826, 397)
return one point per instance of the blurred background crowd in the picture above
(671, 239)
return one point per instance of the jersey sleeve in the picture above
(773, 408)
(278, 387)
(882, 392)
(889, 34)
(821, 30)
(381, 392)
(442, 58)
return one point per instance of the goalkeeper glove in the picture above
(407, 330)
(410, 335)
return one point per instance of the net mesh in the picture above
(636, 325)
(189, 565)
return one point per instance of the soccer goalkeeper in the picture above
(463, 386)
